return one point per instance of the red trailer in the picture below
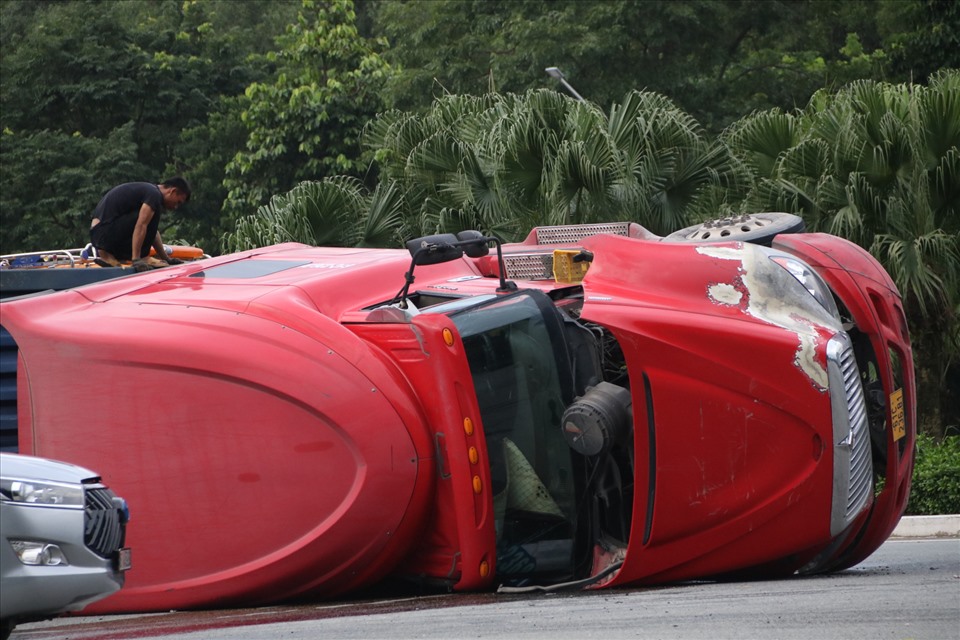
(595, 406)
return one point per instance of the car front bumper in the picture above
(41, 590)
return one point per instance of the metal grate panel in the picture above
(529, 266)
(571, 234)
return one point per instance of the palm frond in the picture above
(925, 268)
(761, 138)
(945, 191)
(384, 217)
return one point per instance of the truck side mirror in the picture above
(435, 249)
(474, 243)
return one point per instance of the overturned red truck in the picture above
(595, 406)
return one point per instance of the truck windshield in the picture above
(521, 372)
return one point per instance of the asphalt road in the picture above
(909, 589)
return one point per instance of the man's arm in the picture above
(140, 230)
(159, 248)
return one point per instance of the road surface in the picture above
(909, 589)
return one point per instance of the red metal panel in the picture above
(739, 428)
(258, 462)
(459, 547)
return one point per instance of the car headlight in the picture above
(810, 280)
(42, 493)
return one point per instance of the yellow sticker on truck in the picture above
(897, 416)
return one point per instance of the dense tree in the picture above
(716, 60)
(921, 37)
(49, 206)
(506, 163)
(336, 211)
(138, 70)
(305, 122)
(232, 39)
(178, 72)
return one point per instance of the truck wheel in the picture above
(758, 228)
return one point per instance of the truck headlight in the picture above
(810, 280)
(42, 493)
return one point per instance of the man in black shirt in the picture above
(126, 222)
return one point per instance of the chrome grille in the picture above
(853, 466)
(861, 467)
(529, 266)
(571, 234)
(104, 524)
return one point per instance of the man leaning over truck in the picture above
(126, 222)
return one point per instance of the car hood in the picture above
(21, 466)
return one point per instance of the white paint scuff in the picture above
(768, 292)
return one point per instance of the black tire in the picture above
(758, 228)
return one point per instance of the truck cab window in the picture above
(521, 372)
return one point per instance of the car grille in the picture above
(860, 464)
(105, 525)
(853, 467)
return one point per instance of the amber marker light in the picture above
(468, 426)
(473, 455)
(477, 485)
(448, 337)
(484, 568)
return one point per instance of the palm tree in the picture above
(508, 163)
(336, 211)
(877, 164)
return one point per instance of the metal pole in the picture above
(554, 72)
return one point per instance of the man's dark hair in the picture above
(180, 184)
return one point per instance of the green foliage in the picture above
(716, 60)
(305, 122)
(332, 212)
(202, 153)
(921, 37)
(49, 201)
(935, 487)
(149, 75)
(65, 70)
(178, 72)
(231, 40)
(506, 163)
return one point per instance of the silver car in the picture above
(61, 539)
